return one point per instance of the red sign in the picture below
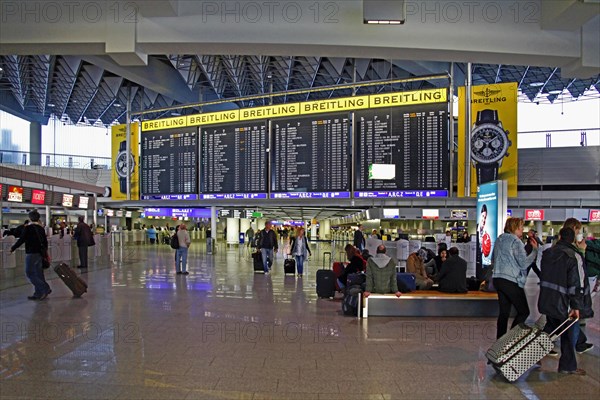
(15, 193)
(38, 196)
(594, 216)
(534, 215)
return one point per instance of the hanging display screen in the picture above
(234, 161)
(170, 164)
(311, 157)
(402, 151)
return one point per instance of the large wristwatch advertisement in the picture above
(121, 166)
(124, 163)
(489, 145)
(487, 138)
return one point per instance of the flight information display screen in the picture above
(311, 157)
(234, 161)
(402, 151)
(169, 164)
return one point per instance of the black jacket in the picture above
(355, 265)
(267, 240)
(34, 238)
(453, 276)
(359, 239)
(563, 282)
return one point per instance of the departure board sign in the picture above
(311, 157)
(234, 161)
(414, 139)
(170, 164)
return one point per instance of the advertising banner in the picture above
(119, 157)
(491, 216)
(493, 151)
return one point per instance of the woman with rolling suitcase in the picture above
(300, 250)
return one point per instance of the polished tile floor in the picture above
(223, 332)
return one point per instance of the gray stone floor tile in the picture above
(222, 332)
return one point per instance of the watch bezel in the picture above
(500, 132)
(123, 172)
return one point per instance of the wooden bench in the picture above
(431, 303)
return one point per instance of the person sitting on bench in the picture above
(416, 266)
(453, 276)
(355, 265)
(381, 274)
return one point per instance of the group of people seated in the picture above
(447, 269)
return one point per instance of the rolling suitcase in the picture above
(326, 278)
(70, 278)
(289, 266)
(522, 347)
(257, 262)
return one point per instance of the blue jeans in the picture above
(35, 274)
(181, 259)
(300, 264)
(267, 254)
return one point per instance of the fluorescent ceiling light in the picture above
(384, 12)
(536, 84)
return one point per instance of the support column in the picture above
(48, 216)
(35, 143)
(539, 227)
(325, 229)
(213, 222)
(233, 230)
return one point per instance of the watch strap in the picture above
(123, 185)
(487, 116)
(123, 146)
(486, 172)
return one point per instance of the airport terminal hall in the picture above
(299, 199)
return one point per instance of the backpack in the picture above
(174, 241)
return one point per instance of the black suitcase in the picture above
(70, 278)
(289, 266)
(257, 261)
(326, 278)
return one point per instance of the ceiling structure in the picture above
(79, 90)
(82, 61)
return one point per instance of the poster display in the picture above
(491, 216)
(493, 152)
(125, 164)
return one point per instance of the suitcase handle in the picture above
(554, 335)
(325, 263)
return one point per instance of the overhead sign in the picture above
(439, 95)
(431, 213)
(83, 201)
(67, 200)
(534, 215)
(459, 214)
(594, 216)
(15, 193)
(38, 196)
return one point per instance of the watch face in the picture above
(121, 164)
(488, 144)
